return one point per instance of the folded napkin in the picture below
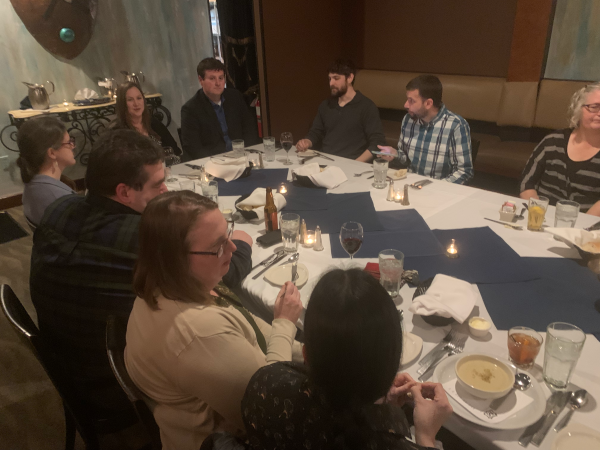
(227, 161)
(259, 198)
(479, 407)
(577, 237)
(85, 94)
(330, 178)
(227, 172)
(446, 297)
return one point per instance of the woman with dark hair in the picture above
(191, 345)
(348, 395)
(45, 149)
(133, 113)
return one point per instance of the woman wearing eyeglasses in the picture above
(566, 164)
(191, 346)
(45, 150)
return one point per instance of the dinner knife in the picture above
(561, 401)
(323, 156)
(516, 227)
(440, 345)
(268, 266)
(194, 166)
(268, 260)
(527, 435)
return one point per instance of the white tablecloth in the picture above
(443, 206)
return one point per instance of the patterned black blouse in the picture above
(280, 411)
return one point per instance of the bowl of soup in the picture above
(484, 376)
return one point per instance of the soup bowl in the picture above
(484, 376)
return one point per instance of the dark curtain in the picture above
(236, 19)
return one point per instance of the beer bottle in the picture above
(271, 223)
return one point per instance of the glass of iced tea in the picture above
(523, 346)
(536, 213)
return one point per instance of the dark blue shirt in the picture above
(221, 116)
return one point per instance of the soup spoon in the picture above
(522, 383)
(577, 400)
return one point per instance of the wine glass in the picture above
(351, 237)
(170, 160)
(286, 142)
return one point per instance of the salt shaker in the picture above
(261, 164)
(390, 194)
(302, 232)
(318, 242)
(405, 201)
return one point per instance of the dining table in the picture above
(444, 206)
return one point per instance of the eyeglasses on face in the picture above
(221, 249)
(70, 142)
(593, 107)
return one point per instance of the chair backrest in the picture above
(28, 332)
(475, 143)
(115, 347)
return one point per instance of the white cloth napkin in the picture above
(446, 297)
(85, 94)
(330, 178)
(227, 172)
(259, 198)
(575, 236)
(226, 161)
(479, 407)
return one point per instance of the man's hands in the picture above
(303, 144)
(529, 193)
(288, 305)
(432, 408)
(390, 150)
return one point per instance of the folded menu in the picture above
(446, 297)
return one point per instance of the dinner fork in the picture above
(439, 347)
(362, 173)
(453, 347)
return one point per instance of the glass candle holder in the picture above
(310, 239)
(452, 251)
(282, 189)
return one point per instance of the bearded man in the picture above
(436, 140)
(348, 123)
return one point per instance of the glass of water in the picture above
(564, 343)
(566, 214)
(211, 190)
(380, 169)
(290, 224)
(269, 143)
(391, 267)
(238, 147)
(187, 185)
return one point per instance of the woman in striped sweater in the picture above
(566, 164)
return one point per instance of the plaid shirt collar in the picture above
(109, 205)
(433, 121)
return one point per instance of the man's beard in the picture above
(340, 92)
(420, 114)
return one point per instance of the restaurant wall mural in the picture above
(574, 52)
(163, 39)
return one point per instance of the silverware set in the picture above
(454, 346)
(506, 224)
(274, 259)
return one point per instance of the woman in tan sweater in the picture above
(191, 346)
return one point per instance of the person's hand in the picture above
(288, 305)
(432, 408)
(392, 152)
(303, 144)
(399, 393)
(241, 236)
(529, 193)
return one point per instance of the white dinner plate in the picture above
(411, 348)
(393, 174)
(280, 274)
(523, 418)
(307, 154)
(577, 436)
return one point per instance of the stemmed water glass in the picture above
(286, 142)
(170, 160)
(351, 237)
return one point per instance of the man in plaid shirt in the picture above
(84, 252)
(437, 141)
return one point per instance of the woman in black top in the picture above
(132, 113)
(348, 395)
(566, 164)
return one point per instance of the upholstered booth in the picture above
(501, 114)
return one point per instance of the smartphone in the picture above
(382, 153)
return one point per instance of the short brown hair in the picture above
(120, 156)
(343, 67)
(162, 266)
(209, 64)
(429, 86)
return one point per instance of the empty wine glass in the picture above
(351, 237)
(286, 142)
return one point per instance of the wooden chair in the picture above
(77, 413)
(115, 346)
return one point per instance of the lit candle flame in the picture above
(282, 190)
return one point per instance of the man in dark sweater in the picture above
(348, 123)
(215, 116)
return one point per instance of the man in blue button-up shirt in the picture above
(437, 141)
